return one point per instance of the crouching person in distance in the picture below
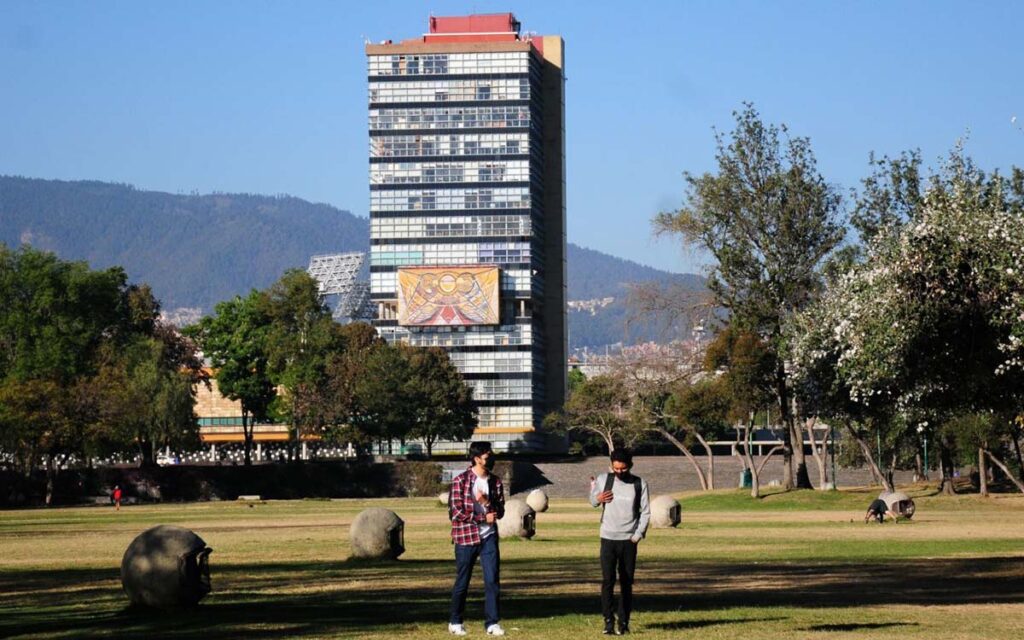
(879, 510)
(625, 500)
(476, 501)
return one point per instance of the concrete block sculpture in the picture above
(666, 512)
(166, 567)
(377, 534)
(519, 520)
(538, 500)
(899, 503)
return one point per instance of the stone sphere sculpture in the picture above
(519, 520)
(666, 512)
(538, 500)
(377, 534)
(166, 567)
(899, 503)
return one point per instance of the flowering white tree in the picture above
(930, 323)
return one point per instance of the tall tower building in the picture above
(467, 211)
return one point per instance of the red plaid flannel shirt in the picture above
(466, 522)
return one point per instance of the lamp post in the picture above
(835, 483)
(924, 434)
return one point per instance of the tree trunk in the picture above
(918, 467)
(246, 437)
(1014, 435)
(890, 473)
(946, 466)
(689, 456)
(146, 451)
(430, 446)
(609, 442)
(710, 458)
(766, 457)
(803, 480)
(866, 450)
(755, 484)
(51, 475)
(999, 463)
(982, 473)
(819, 456)
(782, 395)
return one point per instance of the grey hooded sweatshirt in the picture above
(618, 522)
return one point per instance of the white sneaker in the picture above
(456, 629)
(495, 630)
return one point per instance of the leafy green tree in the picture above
(234, 338)
(146, 401)
(55, 317)
(381, 406)
(770, 221)
(301, 339)
(602, 406)
(697, 412)
(444, 403)
(576, 379)
(744, 365)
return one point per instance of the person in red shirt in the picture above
(117, 497)
(476, 501)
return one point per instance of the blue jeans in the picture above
(490, 560)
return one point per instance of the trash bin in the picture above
(746, 479)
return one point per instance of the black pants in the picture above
(617, 556)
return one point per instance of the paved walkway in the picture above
(669, 474)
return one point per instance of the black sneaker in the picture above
(623, 628)
(609, 627)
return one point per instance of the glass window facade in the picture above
(457, 179)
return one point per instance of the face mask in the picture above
(621, 475)
(489, 463)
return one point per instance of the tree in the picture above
(301, 338)
(744, 364)
(373, 393)
(930, 324)
(234, 338)
(601, 406)
(146, 397)
(770, 220)
(55, 317)
(699, 411)
(575, 379)
(444, 402)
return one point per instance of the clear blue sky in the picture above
(270, 97)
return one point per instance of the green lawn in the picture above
(797, 565)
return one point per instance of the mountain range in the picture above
(196, 250)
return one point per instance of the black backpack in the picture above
(637, 488)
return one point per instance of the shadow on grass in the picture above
(286, 599)
(683, 625)
(853, 626)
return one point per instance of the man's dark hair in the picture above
(478, 448)
(622, 455)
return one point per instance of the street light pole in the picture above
(924, 435)
(926, 456)
(835, 483)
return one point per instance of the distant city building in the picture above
(467, 211)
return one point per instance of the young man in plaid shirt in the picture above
(476, 502)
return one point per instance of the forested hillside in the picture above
(195, 250)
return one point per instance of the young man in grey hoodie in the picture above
(626, 505)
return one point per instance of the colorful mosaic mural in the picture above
(447, 296)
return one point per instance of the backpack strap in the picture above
(637, 489)
(608, 482)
